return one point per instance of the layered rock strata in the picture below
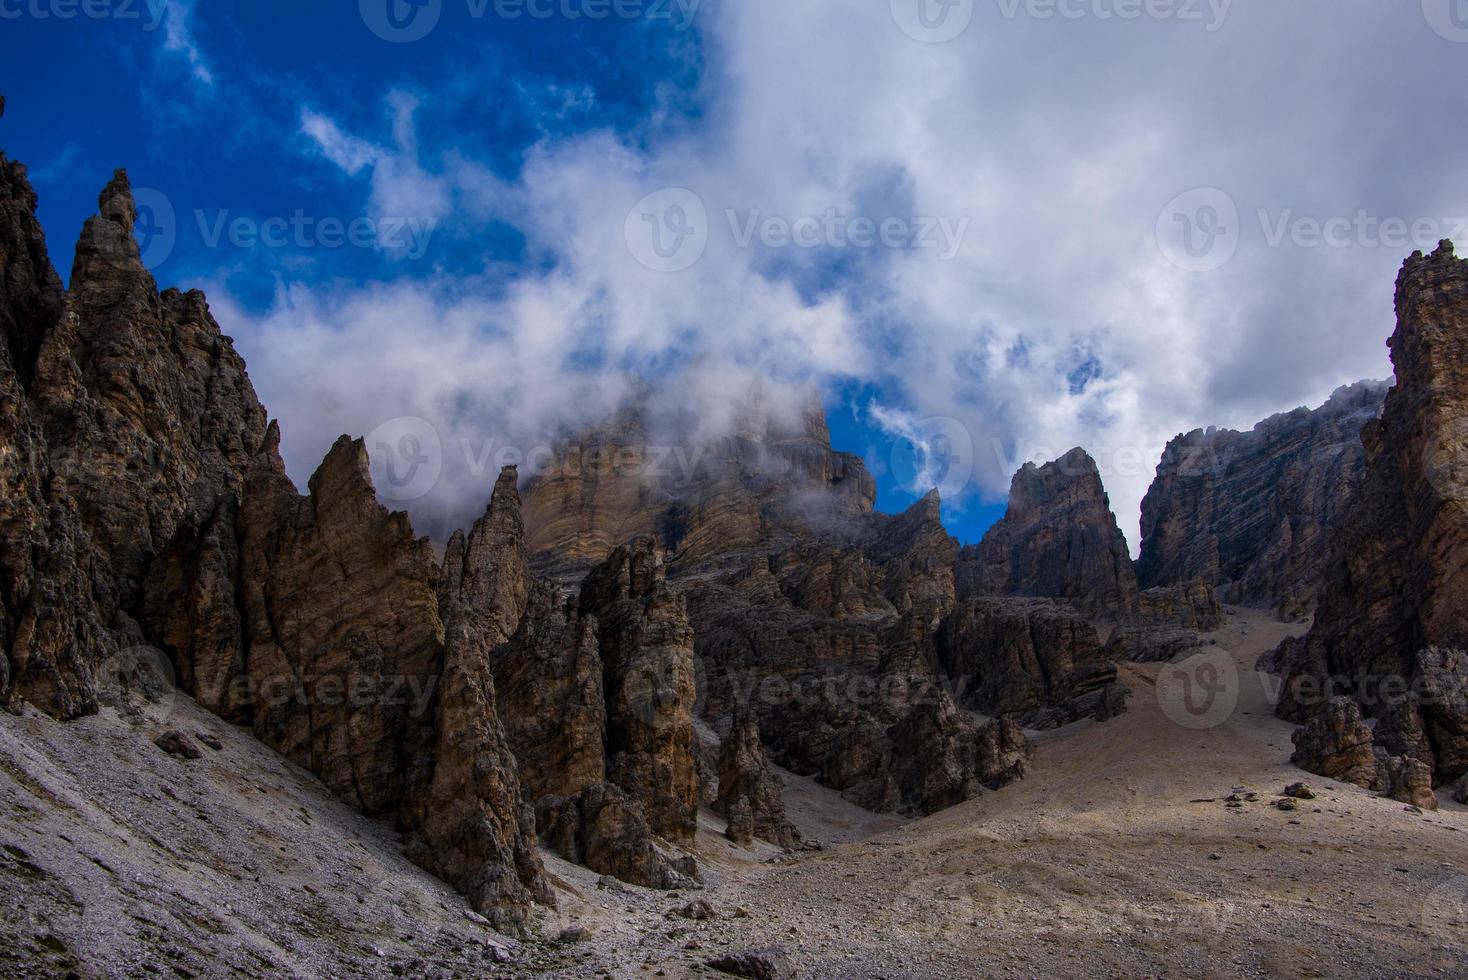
(1393, 613)
(1253, 513)
(1059, 540)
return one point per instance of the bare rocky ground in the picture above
(1118, 855)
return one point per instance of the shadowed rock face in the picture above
(1058, 540)
(749, 793)
(813, 618)
(52, 631)
(1037, 659)
(808, 641)
(145, 503)
(648, 677)
(551, 681)
(1397, 584)
(340, 596)
(1252, 513)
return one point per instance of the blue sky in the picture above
(984, 245)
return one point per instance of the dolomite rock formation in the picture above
(749, 793)
(647, 650)
(551, 682)
(342, 610)
(1192, 605)
(857, 701)
(1058, 540)
(639, 476)
(53, 635)
(1036, 659)
(811, 616)
(1253, 513)
(1393, 613)
(146, 504)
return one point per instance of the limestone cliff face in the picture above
(701, 497)
(1058, 540)
(596, 808)
(145, 503)
(52, 632)
(1037, 659)
(648, 675)
(749, 793)
(813, 618)
(1394, 607)
(152, 424)
(1252, 513)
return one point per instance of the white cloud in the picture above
(1059, 141)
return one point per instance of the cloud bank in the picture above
(1046, 231)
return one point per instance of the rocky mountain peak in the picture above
(1251, 513)
(1058, 539)
(116, 203)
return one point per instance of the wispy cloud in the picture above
(178, 38)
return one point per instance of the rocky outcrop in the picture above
(146, 503)
(749, 793)
(857, 702)
(551, 683)
(703, 497)
(152, 423)
(488, 571)
(647, 650)
(1193, 605)
(1252, 513)
(1150, 644)
(343, 640)
(1036, 659)
(1338, 743)
(358, 680)
(1394, 608)
(812, 616)
(53, 635)
(1057, 540)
